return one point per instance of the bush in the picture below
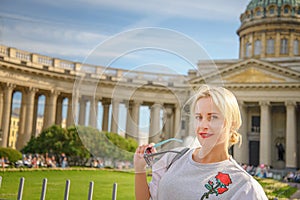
(12, 154)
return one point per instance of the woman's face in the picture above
(209, 125)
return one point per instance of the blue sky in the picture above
(73, 29)
(94, 31)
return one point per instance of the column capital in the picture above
(8, 86)
(290, 103)
(157, 104)
(116, 100)
(105, 101)
(53, 93)
(264, 103)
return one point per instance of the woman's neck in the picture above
(215, 155)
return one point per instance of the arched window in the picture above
(296, 47)
(284, 46)
(286, 10)
(257, 47)
(270, 46)
(258, 13)
(272, 10)
(248, 49)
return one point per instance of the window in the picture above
(248, 49)
(284, 46)
(257, 47)
(272, 11)
(255, 124)
(258, 13)
(286, 10)
(270, 46)
(296, 47)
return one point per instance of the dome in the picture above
(270, 29)
(265, 3)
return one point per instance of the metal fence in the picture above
(67, 189)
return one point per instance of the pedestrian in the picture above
(205, 172)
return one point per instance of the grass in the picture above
(79, 187)
(277, 189)
(103, 184)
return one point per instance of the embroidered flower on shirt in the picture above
(219, 187)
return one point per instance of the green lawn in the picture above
(103, 183)
(80, 180)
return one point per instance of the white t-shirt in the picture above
(189, 180)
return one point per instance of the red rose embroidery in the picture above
(222, 181)
(222, 190)
(224, 178)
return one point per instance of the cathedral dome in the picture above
(265, 3)
(257, 9)
(270, 28)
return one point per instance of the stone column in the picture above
(58, 119)
(51, 108)
(22, 119)
(155, 129)
(105, 117)
(75, 107)
(93, 112)
(128, 131)
(291, 44)
(263, 45)
(8, 90)
(135, 115)
(1, 107)
(291, 135)
(265, 134)
(70, 118)
(168, 122)
(115, 116)
(177, 121)
(241, 153)
(252, 42)
(277, 44)
(82, 111)
(36, 116)
(30, 97)
(242, 47)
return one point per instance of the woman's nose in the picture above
(204, 123)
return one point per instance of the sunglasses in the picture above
(149, 156)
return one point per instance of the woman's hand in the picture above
(139, 161)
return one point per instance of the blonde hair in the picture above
(227, 104)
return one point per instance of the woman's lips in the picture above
(205, 135)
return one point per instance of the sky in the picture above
(165, 36)
(104, 32)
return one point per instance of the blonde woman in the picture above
(207, 172)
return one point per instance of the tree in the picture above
(80, 142)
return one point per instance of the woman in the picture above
(207, 172)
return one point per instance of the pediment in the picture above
(254, 75)
(251, 71)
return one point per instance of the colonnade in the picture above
(159, 128)
(267, 134)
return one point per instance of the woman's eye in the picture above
(198, 117)
(214, 117)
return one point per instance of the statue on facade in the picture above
(280, 150)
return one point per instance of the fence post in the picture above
(91, 188)
(68, 182)
(114, 193)
(44, 188)
(21, 186)
(0, 181)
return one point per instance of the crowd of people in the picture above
(40, 160)
(265, 171)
